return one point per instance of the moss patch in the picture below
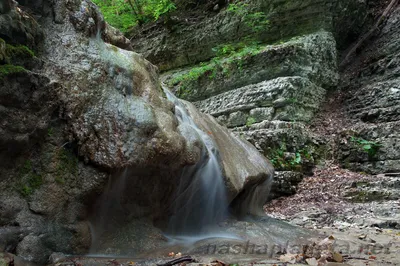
(228, 57)
(11, 58)
(67, 164)
(362, 196)
(29, 179)
(19, 51)
(9, 53)
(6, 70)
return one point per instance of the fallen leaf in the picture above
(362, 237)
(372, 257)
(178, 255)
(337, 257)
(289, 258)
(171, 254)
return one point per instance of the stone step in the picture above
(286, 99)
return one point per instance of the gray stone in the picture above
(237, 119)
(5, 6)
(275, 138)
(302, 99)
(32, 248)
(384, 155)
(56, 257)
(285, 183)
(9, 208)
(261, 114)
(367, 191)
(377, 102)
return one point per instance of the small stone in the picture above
(362, 237)
(56, 257)
(312, 262)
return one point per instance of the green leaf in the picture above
(367, 147)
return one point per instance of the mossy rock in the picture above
(67, 164)
(29, 179)
(9, 52)
(362, 196)
(19, 51)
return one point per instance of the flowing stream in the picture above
(201, 199)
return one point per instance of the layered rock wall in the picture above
(190, 43)
(373, 104)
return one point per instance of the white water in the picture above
(201, 198)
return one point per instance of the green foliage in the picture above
(158, 8)
(67, 163)
(9, 54)
(250, 121)
(225, 49)
(50, 132)
(229, 56)
(19, 51)
(6, 70)
(257, 21)
(124, 14)
(279, 159)
(117, 13)
(29, 181)
(367, 146)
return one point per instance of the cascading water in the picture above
(201, 198)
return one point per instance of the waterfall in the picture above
(201, 198)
